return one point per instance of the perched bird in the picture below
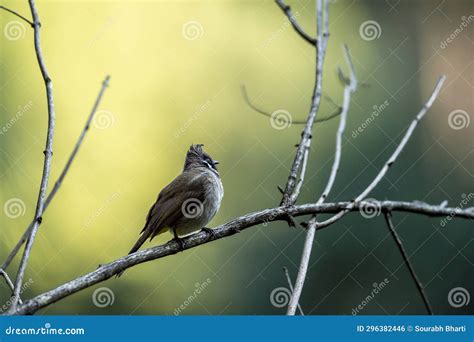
(189, 202)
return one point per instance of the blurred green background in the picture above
(176, 69)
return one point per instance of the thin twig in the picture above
(350, 87)
(290, 285)
(323, 34)
(287, 10)
(406, 258)
(61, 177)
(9, 282)
(230, 228)
(336, 113)
(393, 157)
(18, 15)
(48, 154)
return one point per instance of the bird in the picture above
(188, 203)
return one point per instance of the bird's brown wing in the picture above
(167, 208)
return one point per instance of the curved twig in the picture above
(18, 15)
(246, 97)
(290, 286)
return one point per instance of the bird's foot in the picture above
(181, 243)
(210, 232)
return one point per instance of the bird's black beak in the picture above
(216, 162)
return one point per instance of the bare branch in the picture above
(287, 10)
(18, 15)
(393, 157)
(61, 177)
(230, 228)
(350, 87)
(48, 154)
(9, 283)
(323, 34)
(290, 285)
(406, 259)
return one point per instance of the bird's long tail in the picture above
(141, 240)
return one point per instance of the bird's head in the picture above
(196, 157)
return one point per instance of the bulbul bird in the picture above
(188, 203)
